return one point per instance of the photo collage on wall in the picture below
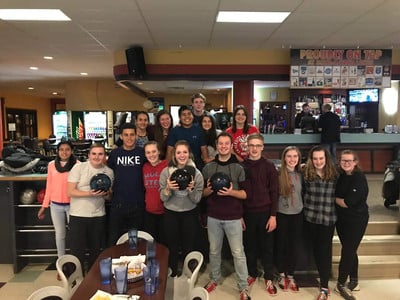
(340, 68)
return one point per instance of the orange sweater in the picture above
(56, 186)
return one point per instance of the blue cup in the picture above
(155, 273)
(132, 238)
(148, 289)
(150, 249)
(105, 270)
(121, 279)
(146, 272)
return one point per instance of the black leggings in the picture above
(320, 237)
(350, 233)
(289, 231)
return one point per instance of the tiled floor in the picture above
(20, 286)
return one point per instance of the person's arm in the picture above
(72, 191)
(170, 151)
(240, 194)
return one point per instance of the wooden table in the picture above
(92, 282)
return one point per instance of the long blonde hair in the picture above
(285, 185)
(310, 173)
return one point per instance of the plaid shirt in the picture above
(319, 202)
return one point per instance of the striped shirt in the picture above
(319, 202)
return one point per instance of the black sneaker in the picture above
(344, 291)
(353, 285)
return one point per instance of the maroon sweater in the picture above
(261, 186)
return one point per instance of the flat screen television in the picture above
(364, 95)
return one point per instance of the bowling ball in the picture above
(219, 180)
(100, 182)
(182, 178)
(28, 196)
(40, 195)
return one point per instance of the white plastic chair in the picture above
(191, 267)
(70, 270)
(184, 284)
(140, 234)
(50, 291)
(198, 293)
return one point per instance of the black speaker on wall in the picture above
(135, 61)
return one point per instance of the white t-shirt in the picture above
(87, 206)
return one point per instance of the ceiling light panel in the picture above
(251, 17)
(33, 15)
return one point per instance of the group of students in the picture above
(259, 202)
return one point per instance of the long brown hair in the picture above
(330, 172)
(285, 186)
(246, 124)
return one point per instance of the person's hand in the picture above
(225, 191)
(172, 184)
(243, 224)
(41, 213)
(190, 187)
(271, 224)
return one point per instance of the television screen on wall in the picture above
(364, 95)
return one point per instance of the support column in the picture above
(243, 94)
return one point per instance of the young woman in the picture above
(319, 211)
(142, 131)
(289, 217)
(180, 205)
(352, 211)
(163, 125)
(154, 214)
(210, 134)
(56, 192)
(87, 211)
(240, 130)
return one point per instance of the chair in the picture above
(184, 284)
(198, 293)
(50, 292)
(140, 234)
(191, 267)
(70, 270)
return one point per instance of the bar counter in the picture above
(374, 149)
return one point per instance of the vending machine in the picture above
(60, 124)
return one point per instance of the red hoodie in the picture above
(151, 179)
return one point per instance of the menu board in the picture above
(340, 68)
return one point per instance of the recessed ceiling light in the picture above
(54, 93)
(33, 15)
(251, 17)
(34, 68)
(48, 57)
(31, 88)
(84, 74)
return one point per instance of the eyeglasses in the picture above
(347, 161)
(255, 146)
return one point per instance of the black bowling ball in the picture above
(219, 180)
(182, 178)
(100, 182)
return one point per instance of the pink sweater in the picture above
(56, 186)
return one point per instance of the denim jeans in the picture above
(331, 147)
(233, 231)
(60, 217)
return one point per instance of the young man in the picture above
(127, 207)
(190, 133)
(225, 211)
(198, 104)
(329, 125)
(260, 211)
(87, 211)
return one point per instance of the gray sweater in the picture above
(181, 200)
